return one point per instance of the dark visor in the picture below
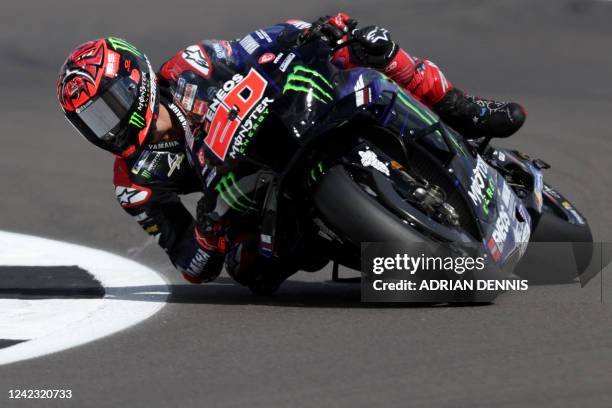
(100, 121)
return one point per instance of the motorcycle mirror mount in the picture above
(482, 147)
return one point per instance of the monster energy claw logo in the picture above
(309, 81)
(119, 44)
(231, 194)
(137, 120)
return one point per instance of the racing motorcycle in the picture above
(318, 160)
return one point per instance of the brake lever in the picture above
(343, 44)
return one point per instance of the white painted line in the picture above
(23, 319)
(134, 293)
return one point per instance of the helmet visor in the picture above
(101, 120)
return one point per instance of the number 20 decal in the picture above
(232, 110)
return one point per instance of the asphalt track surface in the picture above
(314, 344)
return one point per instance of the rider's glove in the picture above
(331, 29)
(372, 46)
(207, 260)
(342, 22)
(209, 233)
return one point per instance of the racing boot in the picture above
(476, 117)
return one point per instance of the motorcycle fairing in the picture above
(310, 97)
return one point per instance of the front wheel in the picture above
(561, 245)
(354, 214)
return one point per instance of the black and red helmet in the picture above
(108, 91)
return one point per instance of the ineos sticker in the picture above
(231, 106)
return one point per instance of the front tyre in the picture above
(355, 215)
(562, 244)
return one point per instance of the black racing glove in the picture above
(372, 46)
(204, 222)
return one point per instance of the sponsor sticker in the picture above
(263, 35)
(377, 34)
(577, 216)
(180, 89)
(152, 229)
(198, 59)
(174, 162)
(163, 145)
(495, 252)
(249, 44)
(370, 159)
(482, 188)
(189, 97)
(299, 24)
(362, 94)
(267, 57)
(227, 46)
(278, 57)
(184, 123)
(219, 51)
(129, 196)
(211, 176)
(506, 196)
(502, 227)
(285, 64)
(200, 107)
(500, 155)
(141, 161)
(135, 75)
(201, 157)
(112, 64)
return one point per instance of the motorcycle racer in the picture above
(110, 93)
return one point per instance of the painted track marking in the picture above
(134, 293)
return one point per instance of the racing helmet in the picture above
(108, 92)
